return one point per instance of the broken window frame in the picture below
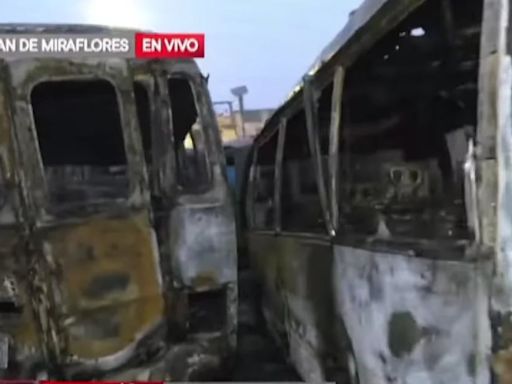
(198, 96)
(335, 136)
(336, 73)
(25, 75)
(310, 102)
(310, 107)
(147, 83)
(473, 187)
(162, 158)
(251, 184)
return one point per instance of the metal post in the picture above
(242, 119)
(239, 92)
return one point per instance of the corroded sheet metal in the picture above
(204, 246)
(414, 320)
(201, 226)
(265, 260)
(298, 297)
(15, 294)
(308, 303)
(111, 290)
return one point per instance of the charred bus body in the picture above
(117, 239)
(238, 154)
(378, 200)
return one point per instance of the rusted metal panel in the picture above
(334, 140)
(406, 319)
(494, 146)
(414, 320)
(489, 110)
(298, 298)
(17, 316)
(110, 277)
(15, 292)
(265, 259)
(203, 246)
(308, 310)
(202, 234)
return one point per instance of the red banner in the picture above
(169, 45)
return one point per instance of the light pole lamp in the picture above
(239, 92)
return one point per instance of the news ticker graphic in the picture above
(114, 44)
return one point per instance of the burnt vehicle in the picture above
(378, 200)
(118, 238)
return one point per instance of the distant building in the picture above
(230, 122)
(254, 120)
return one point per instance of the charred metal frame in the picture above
(26, 74)
(311, 108)
(249, 206)
(363, 29)
(334, 140)
(494, 167)
(41, 238)
(278, 171)
(485, 270)
(189, 271)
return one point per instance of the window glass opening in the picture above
(189, 137)
(80, 137)
(409, 112)
(301, 210)
(264, 183)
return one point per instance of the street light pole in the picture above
(239, 92)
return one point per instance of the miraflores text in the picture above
(64, 44)
(122, 45)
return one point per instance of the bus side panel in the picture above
(414, 320)
(298, 297)
(264, 258)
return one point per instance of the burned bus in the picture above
(377, 200)
(118, 242)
